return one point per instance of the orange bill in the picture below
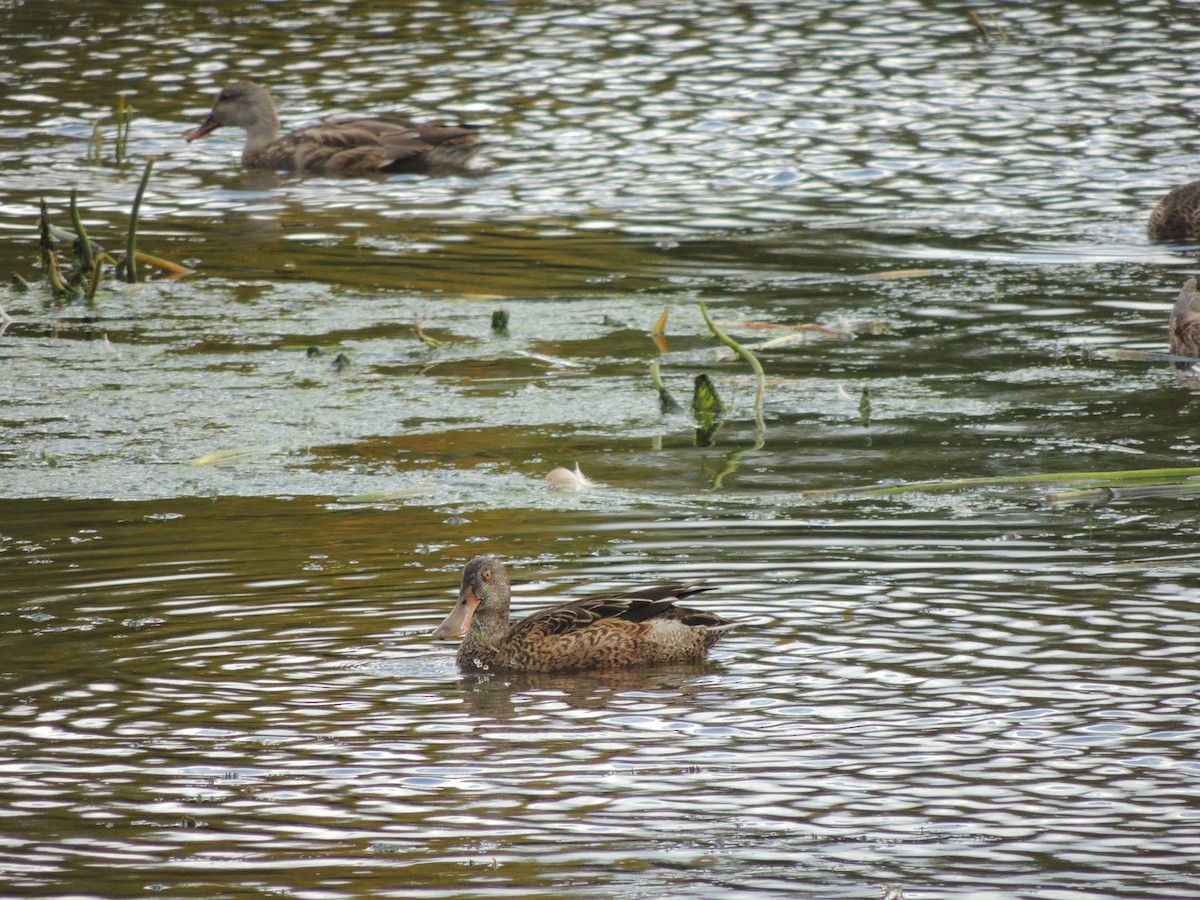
(459, 620)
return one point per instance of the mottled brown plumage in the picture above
(1177, 216)
(383, 143)
(639, 627)
(1183, 330)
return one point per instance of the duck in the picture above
(382, 144)
(1177, 215)
(636, 628)
(1183, 329)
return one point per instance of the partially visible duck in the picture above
(385, 143)
(1183, 329)
(639, 627)
(1177, 215)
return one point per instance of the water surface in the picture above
(233, 506)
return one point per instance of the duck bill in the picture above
(210, 124)
(459, 620)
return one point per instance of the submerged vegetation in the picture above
(1101, 486)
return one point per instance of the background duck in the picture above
(1177, 216)
(640, 627)
(384, 143)
(1183, 330)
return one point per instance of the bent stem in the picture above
(760, 377)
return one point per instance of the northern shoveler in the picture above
(638, 627)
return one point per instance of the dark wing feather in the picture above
(342, 134)
(631, 606)
(382, 143)
(428, 145)
(679, 590)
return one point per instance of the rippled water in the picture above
(219, 675)
(913, 700)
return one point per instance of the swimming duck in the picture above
(1183, 330)
(385, 143)
(1177, 216)
(639, 627)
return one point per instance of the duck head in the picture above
(484, 591)
(242, 104)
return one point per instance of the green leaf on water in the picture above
(707, 408)
(706, 404)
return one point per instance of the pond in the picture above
(234, 505)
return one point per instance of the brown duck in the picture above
(1183, 330)
(372, 146)
(640, 627)
(1177, 216)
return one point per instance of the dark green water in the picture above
(221, 554)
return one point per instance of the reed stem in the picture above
(86, 259)
(131, 240)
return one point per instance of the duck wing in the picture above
(362, 146)
(428, 146)
(632, 606)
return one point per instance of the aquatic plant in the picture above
(89, 257)
(123, 113)
(666, 403)
(658, 333)
(707, 408)
(1101, 485)
(760, 378)
(983, 30)
(430, 342)
(131, 236)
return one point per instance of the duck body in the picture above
(1183, 329)
(640, 627)
(1177, 215)
(379, 145)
